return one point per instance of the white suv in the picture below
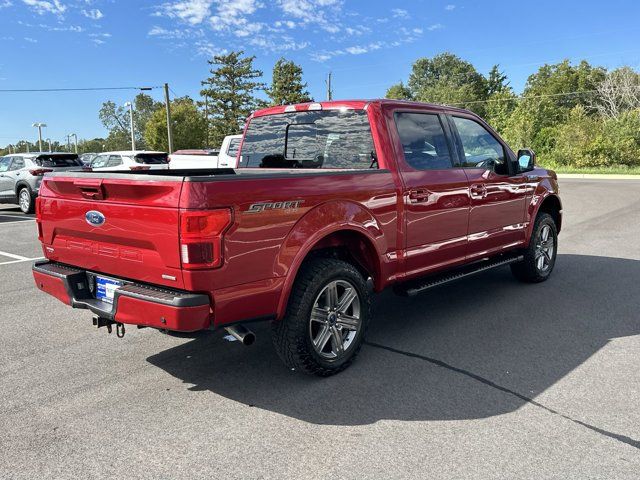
(130, 160)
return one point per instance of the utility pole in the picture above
(133, 135)
(206, 117)
(49, 142)
(68, 137)
(75, 141)
(329, 90)
(169, 128)
(39, 126)
(28, 146)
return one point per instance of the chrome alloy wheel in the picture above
(335, 319)
(545, 248)
(24, 200)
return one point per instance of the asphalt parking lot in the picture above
(484, 378)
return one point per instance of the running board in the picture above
(414, 287)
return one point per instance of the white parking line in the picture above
(12, 255)
(23, 260)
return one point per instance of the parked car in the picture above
(226, 157)
(130, 160)
(328, 195)
(201, 158)
(21, 175)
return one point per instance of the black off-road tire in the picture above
(291, 335)
(527, 270)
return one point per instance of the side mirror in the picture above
(526, 160)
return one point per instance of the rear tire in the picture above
(326, 319)
(540, 255)
(26, 200)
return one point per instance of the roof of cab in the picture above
(351, 105)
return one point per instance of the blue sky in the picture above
(367, 44)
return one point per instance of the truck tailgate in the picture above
(125, 227)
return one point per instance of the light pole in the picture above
(39, 126)
(169, 127)
(75, 141)
(133, 136)
(49, 142)
(68, 137)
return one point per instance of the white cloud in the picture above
(44, 6)
(399, 13)
(450, 7)
(435, 26)
(190, 11)
(208, 49)
(5, 3)
(314, 12)
(94, 14)
(356, 50)
(97, 41)
(31, 40)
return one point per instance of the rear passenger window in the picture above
(114, 161)
(18, 163)
(423, 140)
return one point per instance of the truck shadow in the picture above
(457, 352)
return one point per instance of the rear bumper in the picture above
(133, 303)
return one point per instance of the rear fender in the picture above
(319, 224)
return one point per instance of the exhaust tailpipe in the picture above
(241, 333)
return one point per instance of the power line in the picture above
(88, 89)
(527, 97)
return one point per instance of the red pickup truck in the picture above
(330, 201)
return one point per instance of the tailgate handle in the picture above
(91, 189)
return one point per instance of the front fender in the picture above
(547, 187)
(318, 223)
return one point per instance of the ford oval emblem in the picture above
(94, 218)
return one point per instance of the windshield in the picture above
(152, 158)
(316, 139)
(69, 160)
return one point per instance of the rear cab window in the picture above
(152, 158)
(323, 139)
(52, 161)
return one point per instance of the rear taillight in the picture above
(140, 167)
(201, 233)
(39, 218)
(38, 172)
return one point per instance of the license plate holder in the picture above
(106, 287)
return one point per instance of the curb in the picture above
(599, 176)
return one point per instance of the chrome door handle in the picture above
(416, 196)
(478, 190)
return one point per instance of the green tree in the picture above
(448, 79)
(115, 119)
(189, 126)
(286, 85)
(496, 81)
(231, 93)
(399, 91)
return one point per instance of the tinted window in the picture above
(480, 148)
(423, 140)
(316, 139)
(114, 161)
(152, 158)
(4, 163)
(49, 161)
(233, 147)
(17, 164)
